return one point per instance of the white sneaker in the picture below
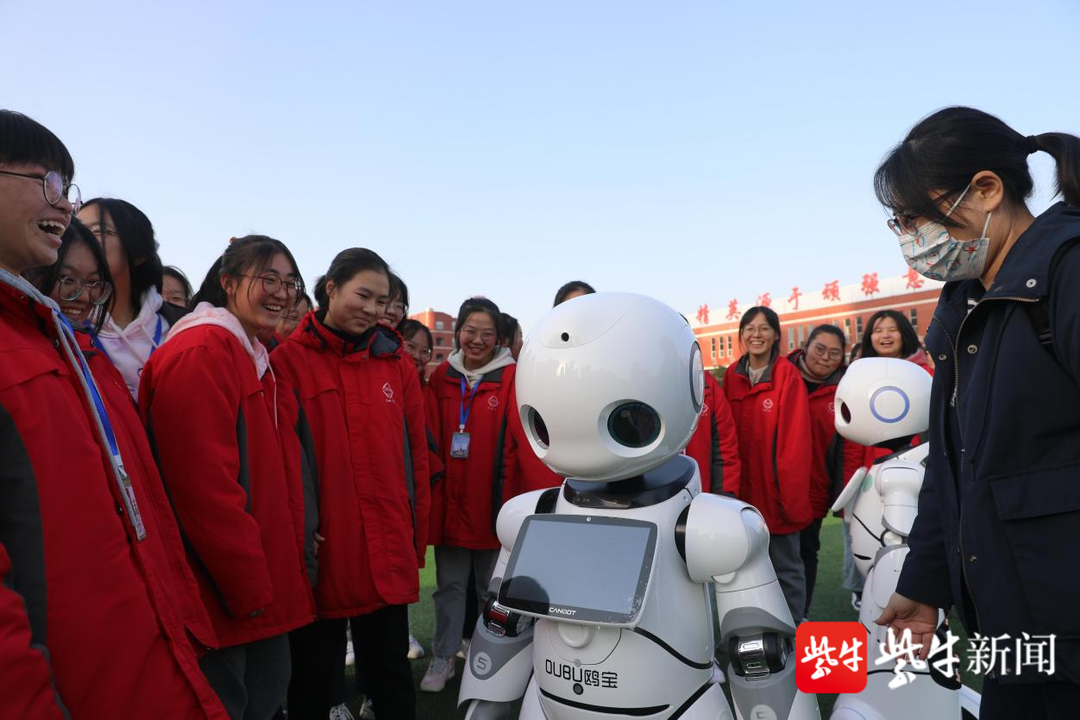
(341, 712)
(416, 650)
(366, 711)
(438, 673)
(350, 656)
(463, 653)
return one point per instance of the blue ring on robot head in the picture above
(889, 388)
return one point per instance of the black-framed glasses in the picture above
(53, 188)
(824, 352)
(70, 288)
(271, 284)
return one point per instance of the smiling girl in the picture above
(208, 398)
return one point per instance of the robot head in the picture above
(609, 386)
(882, 399)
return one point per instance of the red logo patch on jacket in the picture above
(493, 402)
(767, 405)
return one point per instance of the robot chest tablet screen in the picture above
(580, 568)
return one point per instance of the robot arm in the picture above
(899, 484)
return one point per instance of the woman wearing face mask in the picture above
(469, 401)
(891, 335)
(175, 287)
(1005, 410)
(768, 401)
(227, 454)
(362, 426)
(139, 319)
(834, 460)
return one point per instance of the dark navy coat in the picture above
(998, 530)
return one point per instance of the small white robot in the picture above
(602, 598)
(886, 402)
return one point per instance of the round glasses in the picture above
(271, 284)
(422, 352)
(821, 351)
(52, 186)
(70, 288)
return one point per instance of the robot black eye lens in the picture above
(539, 428)
(634, 424)
(565, 337)
(845, 413)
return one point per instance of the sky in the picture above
(691, 151)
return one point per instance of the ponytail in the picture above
(1065, 149)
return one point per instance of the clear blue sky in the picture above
(693, 151)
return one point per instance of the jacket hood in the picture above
(503, 357)
(145, 321)
(207, 314)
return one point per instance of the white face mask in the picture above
(932, 252)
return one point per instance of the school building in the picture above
(441, 326)
(802, 309)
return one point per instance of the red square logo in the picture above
(830, 657)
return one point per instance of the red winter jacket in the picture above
(715, 443)
(96, 597)
(466, 501)
(142, 468)
(834, 459)
(773, 418)
(362, 424)
(212, 422)
(26, 682)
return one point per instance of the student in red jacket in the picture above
(208, 398)
(768, 401)
(80, 284)
(715, 443)
(84, 585)
(363, 429)
(469, 402)
(834, 459)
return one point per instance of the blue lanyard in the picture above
(157, 337)
(463, 412)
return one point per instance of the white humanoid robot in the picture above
(886, 402)
(601, 596)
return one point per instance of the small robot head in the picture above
(882, 399)
(609, 386)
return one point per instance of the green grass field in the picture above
(831, 602)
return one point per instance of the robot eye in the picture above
(845, 413)
(634, 424)
(539, 429)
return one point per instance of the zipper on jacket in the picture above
(955, 402)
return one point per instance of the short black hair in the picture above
(409, 329)
(478, 305)
(572, 286)
(45, 278)
(346, 265)
(25, 141)
(136, 234)
(244, 255)
(508, 326)
(909, 340)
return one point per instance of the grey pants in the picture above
(853, 579)
(452, 565)
(251, 680)
(784, 551)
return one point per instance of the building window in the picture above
(847, 328)
(730, 354)
(712, 347)
(438, 341)
(802, 336)
(858, 329)
(438, 356)
(440, 325)
(790, 338)
(914, 318)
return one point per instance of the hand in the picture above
(319, 539)
(906, 614)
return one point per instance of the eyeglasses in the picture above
(102, 231)
(271, 284)
(822, 351)
(469, 333)
(902, 224)
(52, 186)
(412, 347)
(70, 288)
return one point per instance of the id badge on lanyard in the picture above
(459, 442)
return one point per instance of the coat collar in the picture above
(742, 367)
(384, 342)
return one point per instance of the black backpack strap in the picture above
(1039, 312)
